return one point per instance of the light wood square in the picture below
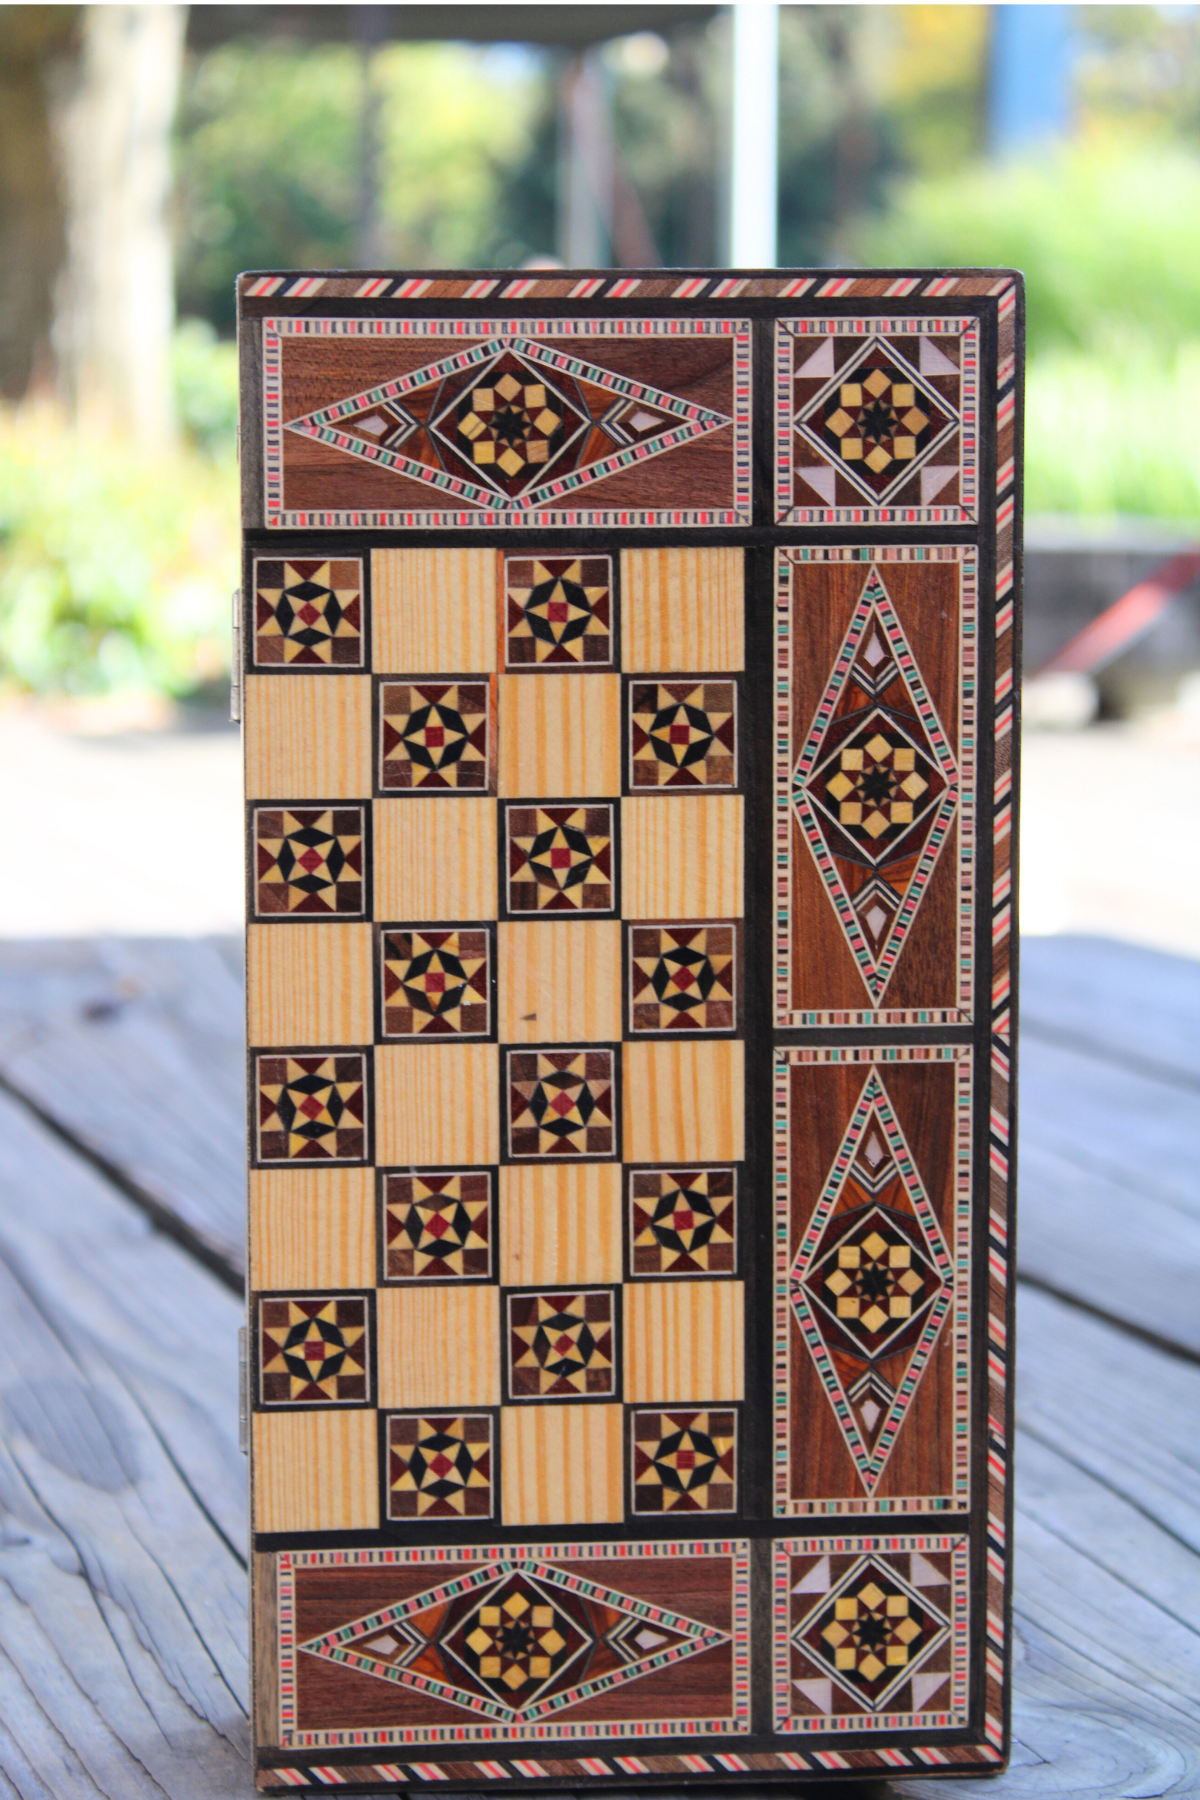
(312, 1228)
(309, 983)
(684, 1101)
(560, 981)
(438, 1346)
(307, 737)
(682, 856)
(433, 611)
(437, 1104)
(435, 859)
(559, 1224)
(316, 1471)
(684, 1340)
(560, 736)
(683, 609)
(561, 1465)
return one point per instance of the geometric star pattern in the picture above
(436, 983)
(312, 1108)
(877, 421)
(561, 1103)
(682, 978)
(558, 612)
(437, 1226)
(875, 787)
(439, 1466)
(308, 614)
(682, 1221)
(871, 1283)
(560, 859)
(313, 1350)
(683, 734)
(871, 1632)
(684, 1461)
(562, 1346)
(510, 425)
(516, 1642)
(309, 860)
(435, 737)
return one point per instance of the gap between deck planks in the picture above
(122, 1637)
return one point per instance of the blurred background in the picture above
(148, 153)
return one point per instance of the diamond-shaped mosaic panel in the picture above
(313, 1350)
(437, 1225)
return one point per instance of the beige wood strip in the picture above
(684, 1101)
(560, 736)
(438, 1346)
(433, 611)
(561, 1465)
(312, 1228)
(435, 859)
(683, 1340)
(560, 980)
(316, 1471)
(682, 610)
(560, 1224)
(682, 856)
(308, 737)
(437, 1104)
(309, 984)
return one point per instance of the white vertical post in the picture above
(754, 187)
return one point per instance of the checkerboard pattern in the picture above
(496, 1039)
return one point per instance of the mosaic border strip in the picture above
(502, 331)
(967, 556)
(962, 1057)
(953, 1716)
(734, 1550)
(676, 287)
(787, 331)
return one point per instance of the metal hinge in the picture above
(243, 1391)
(235, 663)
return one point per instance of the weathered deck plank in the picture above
(135, 1049)
(122, 1581)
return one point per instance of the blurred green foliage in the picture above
(269, 157)
(116, 564)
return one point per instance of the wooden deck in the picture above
(123, 1525)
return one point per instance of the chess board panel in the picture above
(628, 688)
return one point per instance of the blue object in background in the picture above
(1030, 88)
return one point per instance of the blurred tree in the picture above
(114, 299)
(32, 38)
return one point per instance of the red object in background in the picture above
(1117, 627)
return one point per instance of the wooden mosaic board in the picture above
(628, 694)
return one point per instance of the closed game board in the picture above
(627, 669)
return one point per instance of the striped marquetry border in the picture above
(678, 287)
